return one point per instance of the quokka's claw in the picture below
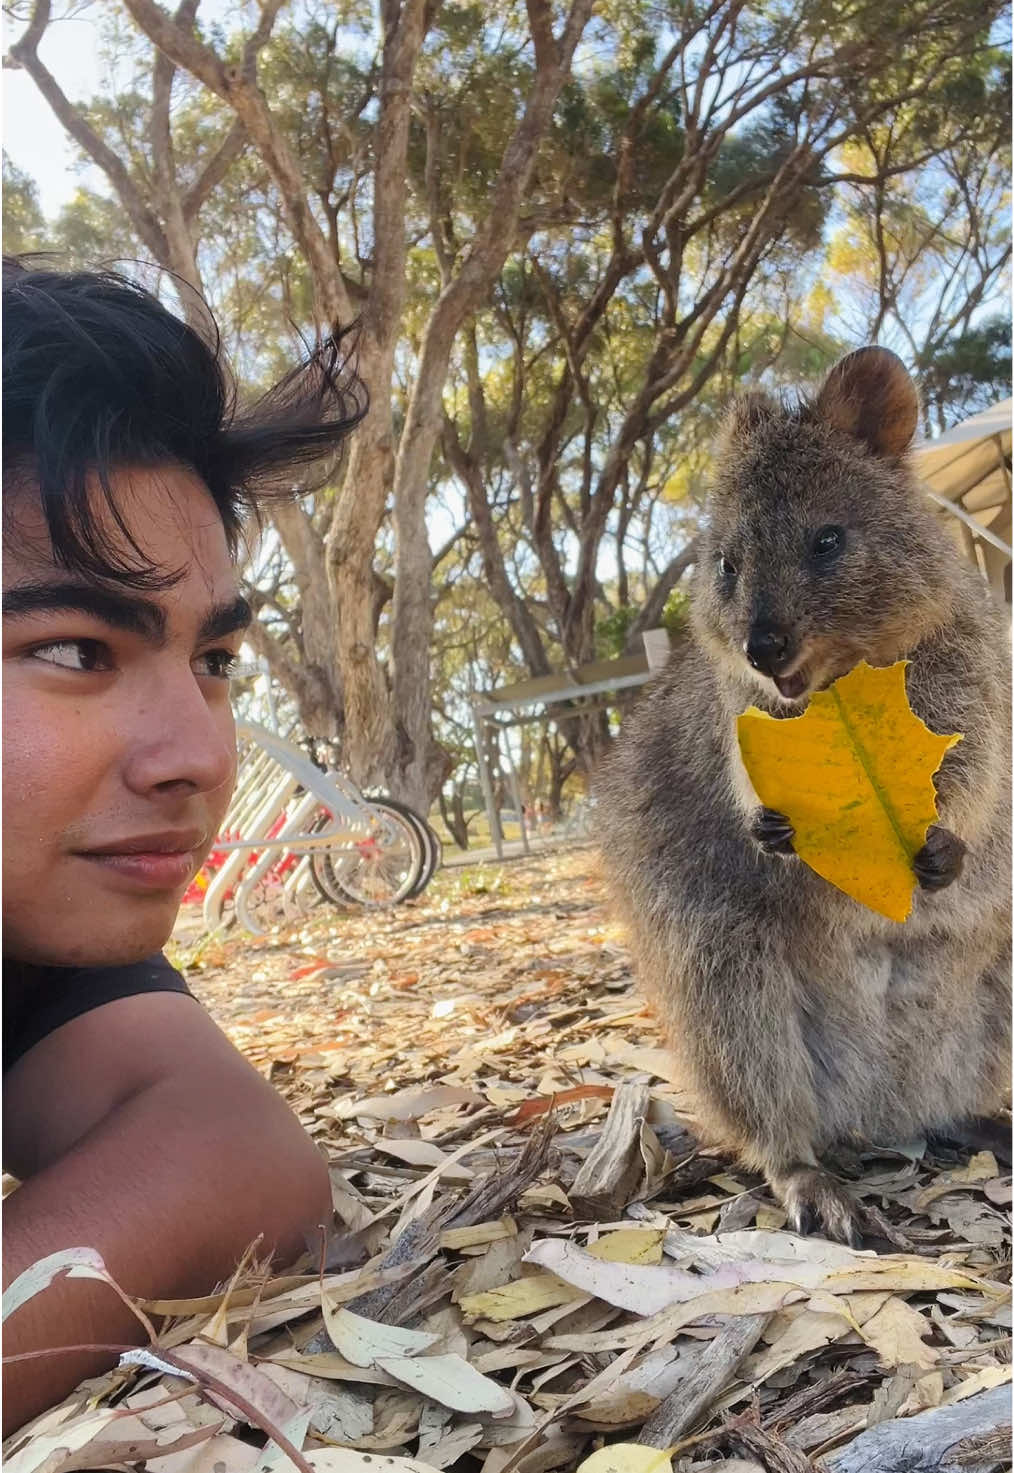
(773, 832)
(939, 861)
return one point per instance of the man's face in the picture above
(118, 742)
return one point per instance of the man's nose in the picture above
(769, 647)
(182, 741)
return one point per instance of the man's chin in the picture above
(111, 936)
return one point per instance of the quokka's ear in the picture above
(746, 414)
(870, 396)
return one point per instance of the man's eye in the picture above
(219, 664)
(74, 654)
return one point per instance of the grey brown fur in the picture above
(803, 1019)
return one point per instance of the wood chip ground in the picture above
(532, 1256)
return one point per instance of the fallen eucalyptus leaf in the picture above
(365, 1342)
(451, 1381)
(627, 1457)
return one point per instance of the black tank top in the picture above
(38, 1000)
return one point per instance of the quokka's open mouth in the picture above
(791, 687)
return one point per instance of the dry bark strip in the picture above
(708, 1373)
(613, 1167)
(937, 1441)
(419, 1243)
(773, 1454)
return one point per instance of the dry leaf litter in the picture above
(534, 1264)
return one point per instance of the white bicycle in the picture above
(295, 835)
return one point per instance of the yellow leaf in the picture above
(630, 1245)
(983, 1380)
(628, 1457)
(522, 1297)
(545, 1291)
(895, 1332)
(904, 1276)
(770, 1217)
(854, 776)
(479, 1233)
(981, 1168)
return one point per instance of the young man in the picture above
(133, 1125)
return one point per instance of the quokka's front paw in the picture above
(817, 1202)
(939, 861)
(772, 831)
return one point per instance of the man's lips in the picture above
(169, 841)
(149, 861)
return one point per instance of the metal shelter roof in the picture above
(967, 473)
(587, 680)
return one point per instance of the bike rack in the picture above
(271, 775)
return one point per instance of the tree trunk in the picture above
(454, 818)
(368, 746)
(304, 548)
(307, 684)
(560, 769)
(413, 615)
(351, 539)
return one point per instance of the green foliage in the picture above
(89, 229)
(611, 632)
(612, 629)
(676, 611)
(968, 372)
(23, 224)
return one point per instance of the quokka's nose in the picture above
(768, 648)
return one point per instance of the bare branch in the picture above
(214, 170)
(237, 85)
(24, 53)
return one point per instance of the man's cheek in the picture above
(219, 800)
(40, 758)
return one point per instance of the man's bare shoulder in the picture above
(83, 1071)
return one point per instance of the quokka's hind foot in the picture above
(816, 1202)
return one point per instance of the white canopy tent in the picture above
(966, 471)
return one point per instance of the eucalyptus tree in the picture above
(566, 229)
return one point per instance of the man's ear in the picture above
(870, 396)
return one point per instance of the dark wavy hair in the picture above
(98, 376)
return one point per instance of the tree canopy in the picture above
(568, 231)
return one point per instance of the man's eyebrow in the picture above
(226, 619)
(120, 610)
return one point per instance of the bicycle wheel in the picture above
(380, 869)
(320, 868)
(438, 847)
(322, 863)
(280, 898)
(430, 843)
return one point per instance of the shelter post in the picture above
(512, 778)
(496, 833)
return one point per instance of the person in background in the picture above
(131, 1123)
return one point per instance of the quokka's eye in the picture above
(828, 543)
(726, 569)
